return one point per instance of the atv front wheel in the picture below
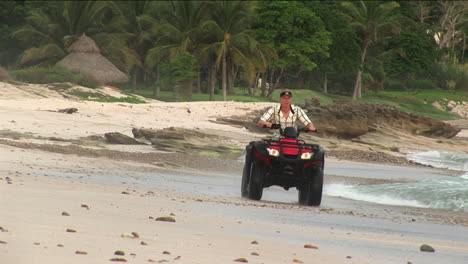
(311, 192)
(255, 187)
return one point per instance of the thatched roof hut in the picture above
(85, 58)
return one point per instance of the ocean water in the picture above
(447, 192)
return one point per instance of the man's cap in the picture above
(286, 92)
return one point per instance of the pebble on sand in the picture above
(136, 235)
(244, 260)
(310, 246)
(65, 214)
(3, 242)
(297, 261)
(426, 248)
(254, 242)
(69, 230)
(254, 254)
(85, 206)
(166, 219)
(127, 235)
(81, 252)
(143, 243)
(119, 253)
(118, 259)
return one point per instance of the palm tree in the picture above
(128, 37)
(371, 19)
(49, 34)
(179, 30)
(230, 37)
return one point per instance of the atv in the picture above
(285, 161)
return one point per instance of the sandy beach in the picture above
(66, 200)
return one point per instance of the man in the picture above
(285, 114)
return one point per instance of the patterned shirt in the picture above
(274, 115)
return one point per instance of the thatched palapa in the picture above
(85, 58)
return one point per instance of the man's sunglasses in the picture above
(285, 93)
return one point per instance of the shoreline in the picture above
(51, 163)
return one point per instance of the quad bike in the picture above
(285, 161)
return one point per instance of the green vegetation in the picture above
(55, 74)
(407, 53)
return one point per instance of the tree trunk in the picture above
(198, 82)
(224, 77)
(263, 84)
(134, 77)
(212, 82)
(325, 83)
(157, 87)
(255, 84)
(357, 85)
(276, 85)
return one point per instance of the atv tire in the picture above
(246, 173)
(311, 192)
(255, 187)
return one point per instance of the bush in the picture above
(422, 84)
(394, 85)
(53, 74)
(4, 75)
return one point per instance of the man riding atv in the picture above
(286, 161)
(285, 114)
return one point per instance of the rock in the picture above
(166, 252)
(426, 248)
(297, 260)
(119, 138)
(70, 110)
(65, 214)
(59, 245)
(136, 235)
(81, 252)
(244, 260)
(310, 246)
(166, 219)
(254, 254)
(119, 253)
(118, 259)
(143, 243)
(254, 242)
(345, 119)
(84, 206)
(3, 242)
(69, 230)
(127, 235)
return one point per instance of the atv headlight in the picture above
(273, 152)
(306, 155)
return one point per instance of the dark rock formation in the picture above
(119, 138)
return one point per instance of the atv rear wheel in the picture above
(246, 174)
(311, 192)
(255, 187)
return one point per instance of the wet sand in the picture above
(213, 224)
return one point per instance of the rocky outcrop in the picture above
(352, 119)
(119, 138)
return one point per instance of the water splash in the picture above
(441, 159)
(443, 193)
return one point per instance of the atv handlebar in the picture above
(300, 129)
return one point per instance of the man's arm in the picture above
(265, 117)
(305, 120)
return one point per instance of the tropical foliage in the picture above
(193, 47)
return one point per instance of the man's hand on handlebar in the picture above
(272, 126)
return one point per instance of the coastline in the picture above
(52, 162)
